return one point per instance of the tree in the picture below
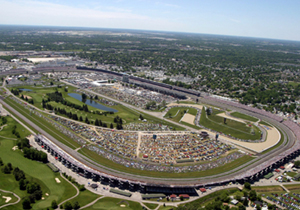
(54, 204)
(38, 194)
(22, 184)
(1, 162)
(68, 206)
(10, 166)
(76, 205)
(208, 111)
(241, 207)
(6, 170)
(141, 117)
(252, 195)
(82, 188)
(297, 163)
(111, 126)
(247, 185)
(245, 202)
(26, 203)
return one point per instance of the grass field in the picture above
(165, 207)
(209, 198)
(43, 124)
(151, 205)
(179, 112)
(231, 127)
(85, 197)
(115, 204)
(244, 116)
(105, 162)
(264, 123)
(128, 115)
(3, 201)
(34, 170)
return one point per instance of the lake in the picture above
(92, 103)
(24, 89)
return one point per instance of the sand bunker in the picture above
(57, 180)
(7, 199)
(122, 205)
(188, 118)
(46, 194)
(15, 148)
(229, 117)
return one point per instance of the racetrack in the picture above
(226, 176)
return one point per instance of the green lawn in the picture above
(105, 162)
(6, 131)
(209, 198)
(85, 197)
(43, 124)
(244, 116)
(3, 201)
(151, 205)
(128, 115)
(231, 127)
(180, 111)
(115, 204)
(165, 207)
(264, 123)
(34, 171)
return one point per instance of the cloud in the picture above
(33, 12)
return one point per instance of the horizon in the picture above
(267, 19)
(147, 31)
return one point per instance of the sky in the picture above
(276, 19)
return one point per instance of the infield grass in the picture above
(43, 124)
(231, 127)
(244, 116)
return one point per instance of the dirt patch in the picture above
(231, 118)
(57, 180)
(292, 187)
(186, 105)
(269, 189)
(25, 96)
(188, 118)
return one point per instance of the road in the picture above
(289, 140)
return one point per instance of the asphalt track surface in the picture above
(288, 142)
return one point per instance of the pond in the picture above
(24, 89)
(92, 103)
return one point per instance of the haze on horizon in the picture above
(265, 19)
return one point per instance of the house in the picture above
(185, 196)
(234, 202)
(202, 190)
